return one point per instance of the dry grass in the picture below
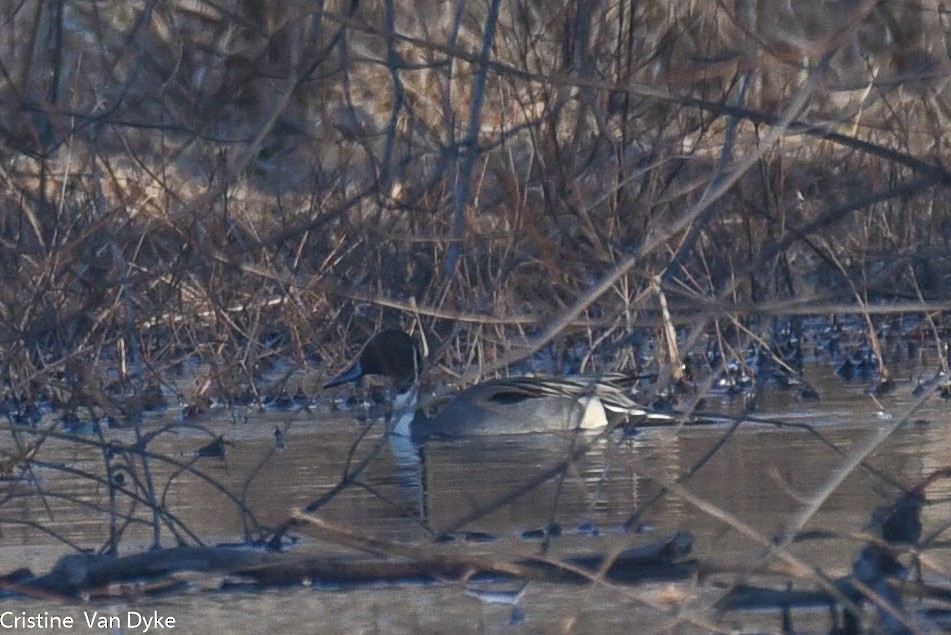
(242, 182)
(245, 180)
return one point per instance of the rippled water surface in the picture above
(761, 476)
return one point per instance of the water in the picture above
(761, 476)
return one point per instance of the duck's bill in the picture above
(352, 374)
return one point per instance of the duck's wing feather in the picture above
(614, 393)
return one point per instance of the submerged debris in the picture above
(90, 574)
(878, 575)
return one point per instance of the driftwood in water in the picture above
(661, 560)
(878, 577)
(86, 573)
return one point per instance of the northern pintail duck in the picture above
(500, 406)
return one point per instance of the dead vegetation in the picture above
(251, 180)
(238, 183)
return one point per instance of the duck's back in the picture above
(511, 406)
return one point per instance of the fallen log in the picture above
(76, 575)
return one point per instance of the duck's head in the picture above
(392, 354)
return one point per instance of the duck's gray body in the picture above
(508, 406)
(496, 407)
